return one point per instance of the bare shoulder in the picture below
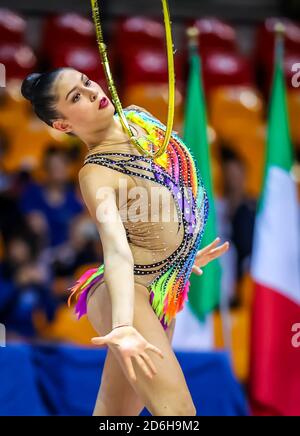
(139, 108)
(97, 183)
(93, 175)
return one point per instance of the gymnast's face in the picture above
(78, 103)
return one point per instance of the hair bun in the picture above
(28, 85)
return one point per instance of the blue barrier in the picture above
(64, 380)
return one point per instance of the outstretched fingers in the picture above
(212, 251)
(197, 270)
(149, 361)
(216, 252)
(100, 341)
(143, 365)
(155, 349)
(144, 362)
(208, 247)
(129, 368)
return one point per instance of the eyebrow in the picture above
(73, 89)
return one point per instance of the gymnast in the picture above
(150, 247)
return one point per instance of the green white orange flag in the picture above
(204, 294)
(275, 268)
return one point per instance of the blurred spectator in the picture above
(82, 248)
(25, 287)
(5, 179)
(12, 183)
(236, 210)
(50, 206)
(10, 216)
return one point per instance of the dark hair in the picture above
(37, 88)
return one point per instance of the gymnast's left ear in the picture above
(62, 125)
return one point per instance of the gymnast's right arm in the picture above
(99, 187)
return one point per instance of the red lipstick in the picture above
(103, 102)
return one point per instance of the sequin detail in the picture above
(177, 170)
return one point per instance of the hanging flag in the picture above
(204, 294)
(275, 269)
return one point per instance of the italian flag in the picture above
(275, 269)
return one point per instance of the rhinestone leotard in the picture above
(173, 243)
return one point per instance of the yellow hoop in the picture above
(112, 87)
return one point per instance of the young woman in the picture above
(149, 249)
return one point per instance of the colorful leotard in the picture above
(176, 171)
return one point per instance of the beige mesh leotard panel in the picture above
(164, 210)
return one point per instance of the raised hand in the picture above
(207, 254)
(128, 343)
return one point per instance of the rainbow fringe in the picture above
(163, 291)
(161, 301)
(82, 287)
